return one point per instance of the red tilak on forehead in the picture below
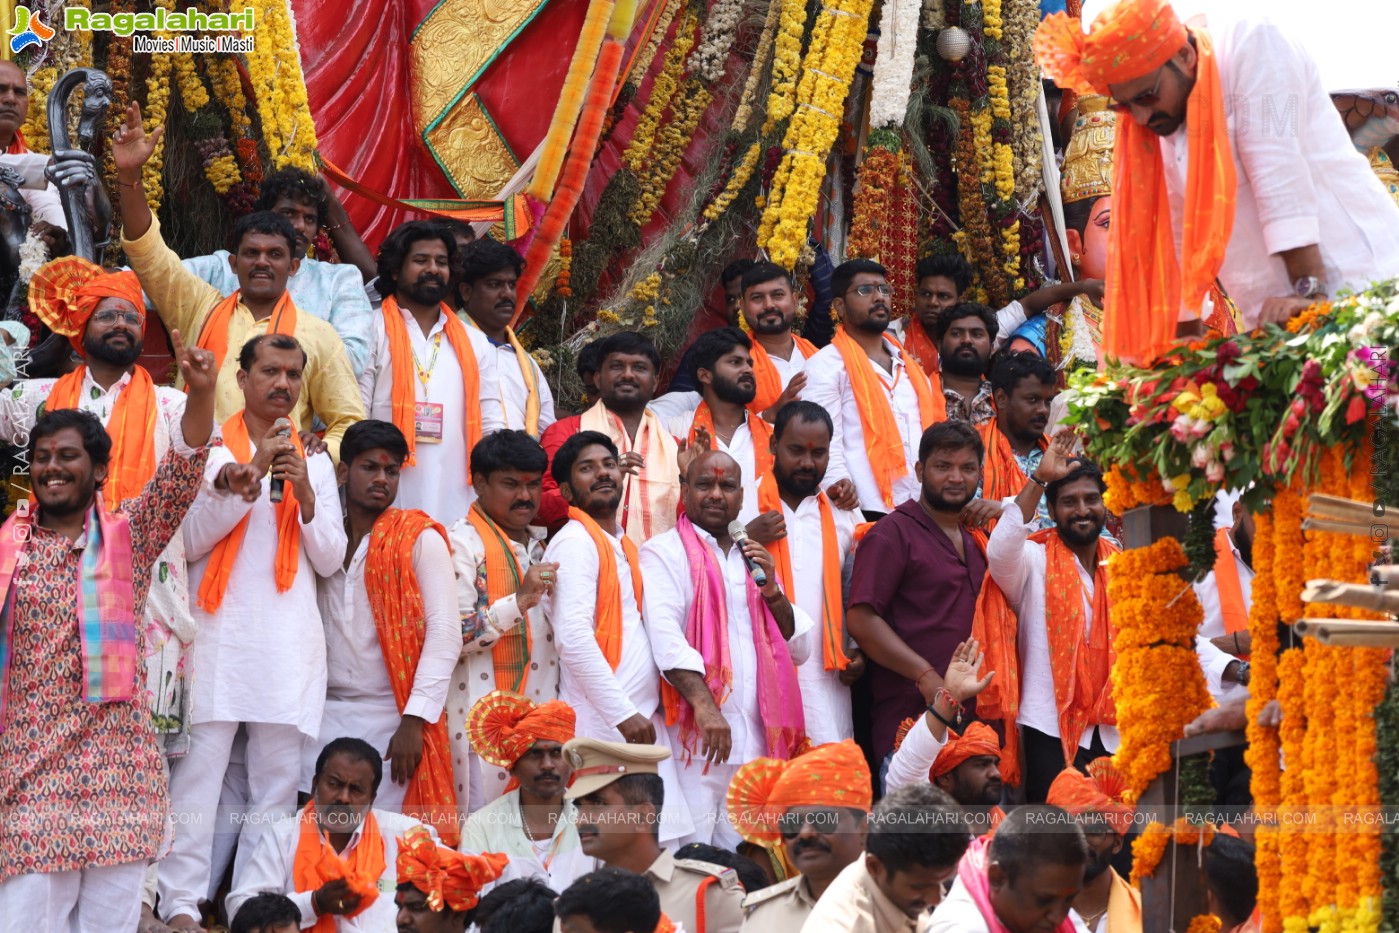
(717, 472)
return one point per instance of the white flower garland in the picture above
(33, 253)
(893, 64)
(1081, 349)
(710, 58)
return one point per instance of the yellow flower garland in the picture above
(663, 90)
(280, 88)
(1264, 749)
(36, 126)
(228, 90)
(156, 111)
(737, 179)
(991, 19)
(193, 95)
(672, 141)
(786, 63)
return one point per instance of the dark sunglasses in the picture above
(1145, 99)
(790, 825)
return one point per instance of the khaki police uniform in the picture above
(779, 907)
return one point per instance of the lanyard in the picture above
(425, 375)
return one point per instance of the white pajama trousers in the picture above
(705, 795)
(88, 900)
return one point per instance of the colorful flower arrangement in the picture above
(280, 88)
(563, 283)
(874, 201)
(893, 64)
(575, 86)
(156, 110)
(1021, 18)
(663, 91)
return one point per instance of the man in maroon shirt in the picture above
(917, 575)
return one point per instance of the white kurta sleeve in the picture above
(1005, 552)
(668, 599)
(323, 537)
(214, 513)
(492, 408)
(915, 757)
(269, 869)
(799, 645)
(432, 563)
(823, 387)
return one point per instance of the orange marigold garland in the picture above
(1147, 851)
(562, 288)
(1263, 753)
(1287, 570)
(879, 174)
(1205, 923)
(1290, 899)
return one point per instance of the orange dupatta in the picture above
(760, 430)
(225, 554)
(397, 605)
(405, 395)
(919, 344)
(317, 863)
(832, 629)
(1231, 589)
(132, 427)
(609, 591)
(213, 336)
(1001, 475)
(883, 442)
(765, 373)
(17, 145)
(511, 653)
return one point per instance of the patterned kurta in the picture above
(81, 783)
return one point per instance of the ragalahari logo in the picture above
(28, 30)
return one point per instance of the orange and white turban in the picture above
(450, 879)
(65, 292)
(832, 775)
(1099, 791)
(503, 726)
(1129, 39)
(976, 740)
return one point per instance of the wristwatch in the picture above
(1309, 286)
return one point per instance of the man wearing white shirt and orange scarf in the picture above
(432, 376)
(879, 399)
(728, 648)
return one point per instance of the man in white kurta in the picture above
(1223, 648)
(262, 654)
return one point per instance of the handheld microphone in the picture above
(283, 427)
(740, 534)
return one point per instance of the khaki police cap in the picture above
(597, 763)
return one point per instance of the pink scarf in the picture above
(972, 871)
(707, 630)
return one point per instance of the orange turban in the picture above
(1099, 791)
(832, 775)
(448, 877)
(1126, 41)
(503, 726)
(976, 740)
(65, 292)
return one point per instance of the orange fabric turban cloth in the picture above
(1099, 791)
(1126, 41)
(832, 775)
(65, 292)
(449, 878)
(503, 726)
(976, 740)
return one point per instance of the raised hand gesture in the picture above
(196, 365)
(132, 146)
(1059, 458)
(964, 680)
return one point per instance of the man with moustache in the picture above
(1107, 903)
(916, 580)
(501, 576)
(392, 633)
(489, 271)
(620, 800)
(531, 822)
(1024, 386)
(443, 402)
(731, 280)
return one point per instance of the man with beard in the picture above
(879, 403)
(726, 645)
(620, 800)
(814, 806)
(336, 858)
(916, 579)
(1107, 903)
(501, 576)
(683, 383)
(627, 367)
(489, 271)
(392, 632)
(442, 402)
(259, 645)
(531, 822)
(1024, 386)
(1044, 636)
(264, 258)
(810, 539)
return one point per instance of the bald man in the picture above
(727, 645)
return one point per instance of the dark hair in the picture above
(750, 873)
(627, 343)
(247, 356)
(264, 910)
(809, 412)
(396, 246)
(567, 455)
(96, 441)
(525, 905)
(1013, 368)
(1038, 835)
(614, 901)
(355, 749)
(364, 436)
(1076, 213)
(637, 789)
(946, 436)
(483, 257)
(712, 344)
(917, 824)
(735, 270)
(1083, 469)
(763, 272)
(458, 228)
(589, 360)
(268, 223)
(292, 182)
(505, 450)
(948, 266)
(1231, 874)
(845, 273)
(966, 309)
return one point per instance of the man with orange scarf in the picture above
(1024, 386)
(1226, 595)
(438, 888)
(1234, 166)
(879, 399)
(264, 257)
(392, 633)
(260, 648)
(1043, 617)
(428, 373)
(334, 859)
(1107, 903)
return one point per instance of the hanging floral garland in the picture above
(156, 111)
(786, 63)
(575, 86)
(280, 88)
(118, 67)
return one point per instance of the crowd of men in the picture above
(359, 632)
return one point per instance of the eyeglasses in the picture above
(790, 825)
(133, 318)
(864, 291)
(1146, 98)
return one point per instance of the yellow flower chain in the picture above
(280, 88)
(737, 179)
(36, 125)
(156, 111)
(672, 141)
(663, 90)
(786, 63)
(228, 91)
(991, 22)
(648, 54)
(755, 70)
(193, 94)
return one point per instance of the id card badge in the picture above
(427, 422)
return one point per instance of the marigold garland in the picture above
(1291, 899)
(228, 91)
(738, 180)
(744, 115)
(663, 90)
(1147, 851)
(156, 110)
(194, 96)
(1021, 17)
(562, 284)
(1205, 923)
(1288, 538)
(280, 88)
(786, 63)
(879, 174)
